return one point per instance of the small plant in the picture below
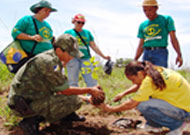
(88, 70)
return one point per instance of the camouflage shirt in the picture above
(40, 77)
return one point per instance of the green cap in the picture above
(68, 43)
(42, 4)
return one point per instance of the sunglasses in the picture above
(80, 22)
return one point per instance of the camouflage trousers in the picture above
(53, 108)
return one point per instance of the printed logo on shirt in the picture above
(45, 33)
(151, 32)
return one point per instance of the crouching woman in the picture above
(163, 97)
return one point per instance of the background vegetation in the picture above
(111, 84)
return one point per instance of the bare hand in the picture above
(179, 61)
(37, 38)
(105, 107)
(118, 97)
(107, 57)
(98, 95)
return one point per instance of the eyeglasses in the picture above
(80, 22)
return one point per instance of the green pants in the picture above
(53, 108)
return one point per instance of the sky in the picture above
(113, 23)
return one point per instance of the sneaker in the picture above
(151, 129)
(179, 131)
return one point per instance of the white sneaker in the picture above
(179, 131)
(149, 128)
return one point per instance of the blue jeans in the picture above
(157, 57)
(159, 113)
(74, 66)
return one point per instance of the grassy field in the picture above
(111, 84)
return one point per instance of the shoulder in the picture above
(86, 31)
(26, 18)
(47, 24)
(144, 23)
(45, 57)
(48, 63)
(165, 17)
(69, 31)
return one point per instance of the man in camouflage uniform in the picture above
(40, 90)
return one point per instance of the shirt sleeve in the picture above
(140, 32)
(170, 24)
(91, 38)
(20, 27)
(145, 90)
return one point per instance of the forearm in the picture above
(139, 49)
(24, 36)
(175, 43)
(96, 49)
(76, 91)
(130, 90)
(122, 107)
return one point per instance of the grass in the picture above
(111, 84)
(5, 77)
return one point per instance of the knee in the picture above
(143, 107)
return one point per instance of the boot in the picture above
(73, 117)
(30, 126)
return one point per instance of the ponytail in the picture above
(155, 75)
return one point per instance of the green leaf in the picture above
(86, 63)
(95, 63)
(94, 75)
(92, 59)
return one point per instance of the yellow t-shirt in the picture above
(177, 91)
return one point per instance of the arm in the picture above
(176, 46)
(139, 49)
(98, 51)
(132, 89)
(23, 36)
(122, 107)
(94, 91)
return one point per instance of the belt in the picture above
(154, 48)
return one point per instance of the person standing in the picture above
(153, 34)
(25, 31)
(85, 40)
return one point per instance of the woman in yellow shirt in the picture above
(163, 97)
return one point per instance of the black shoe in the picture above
(30, 126)
(73, 117)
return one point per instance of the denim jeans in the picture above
(159, 113)
(74, 66)
(157, 57)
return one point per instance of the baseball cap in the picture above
(79, 17)
(68, 43)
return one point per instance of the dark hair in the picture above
(135, 66)
(55, 47)
(38, 9)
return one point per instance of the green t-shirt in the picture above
(26, 25)
(87, 36)
(155, 32)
